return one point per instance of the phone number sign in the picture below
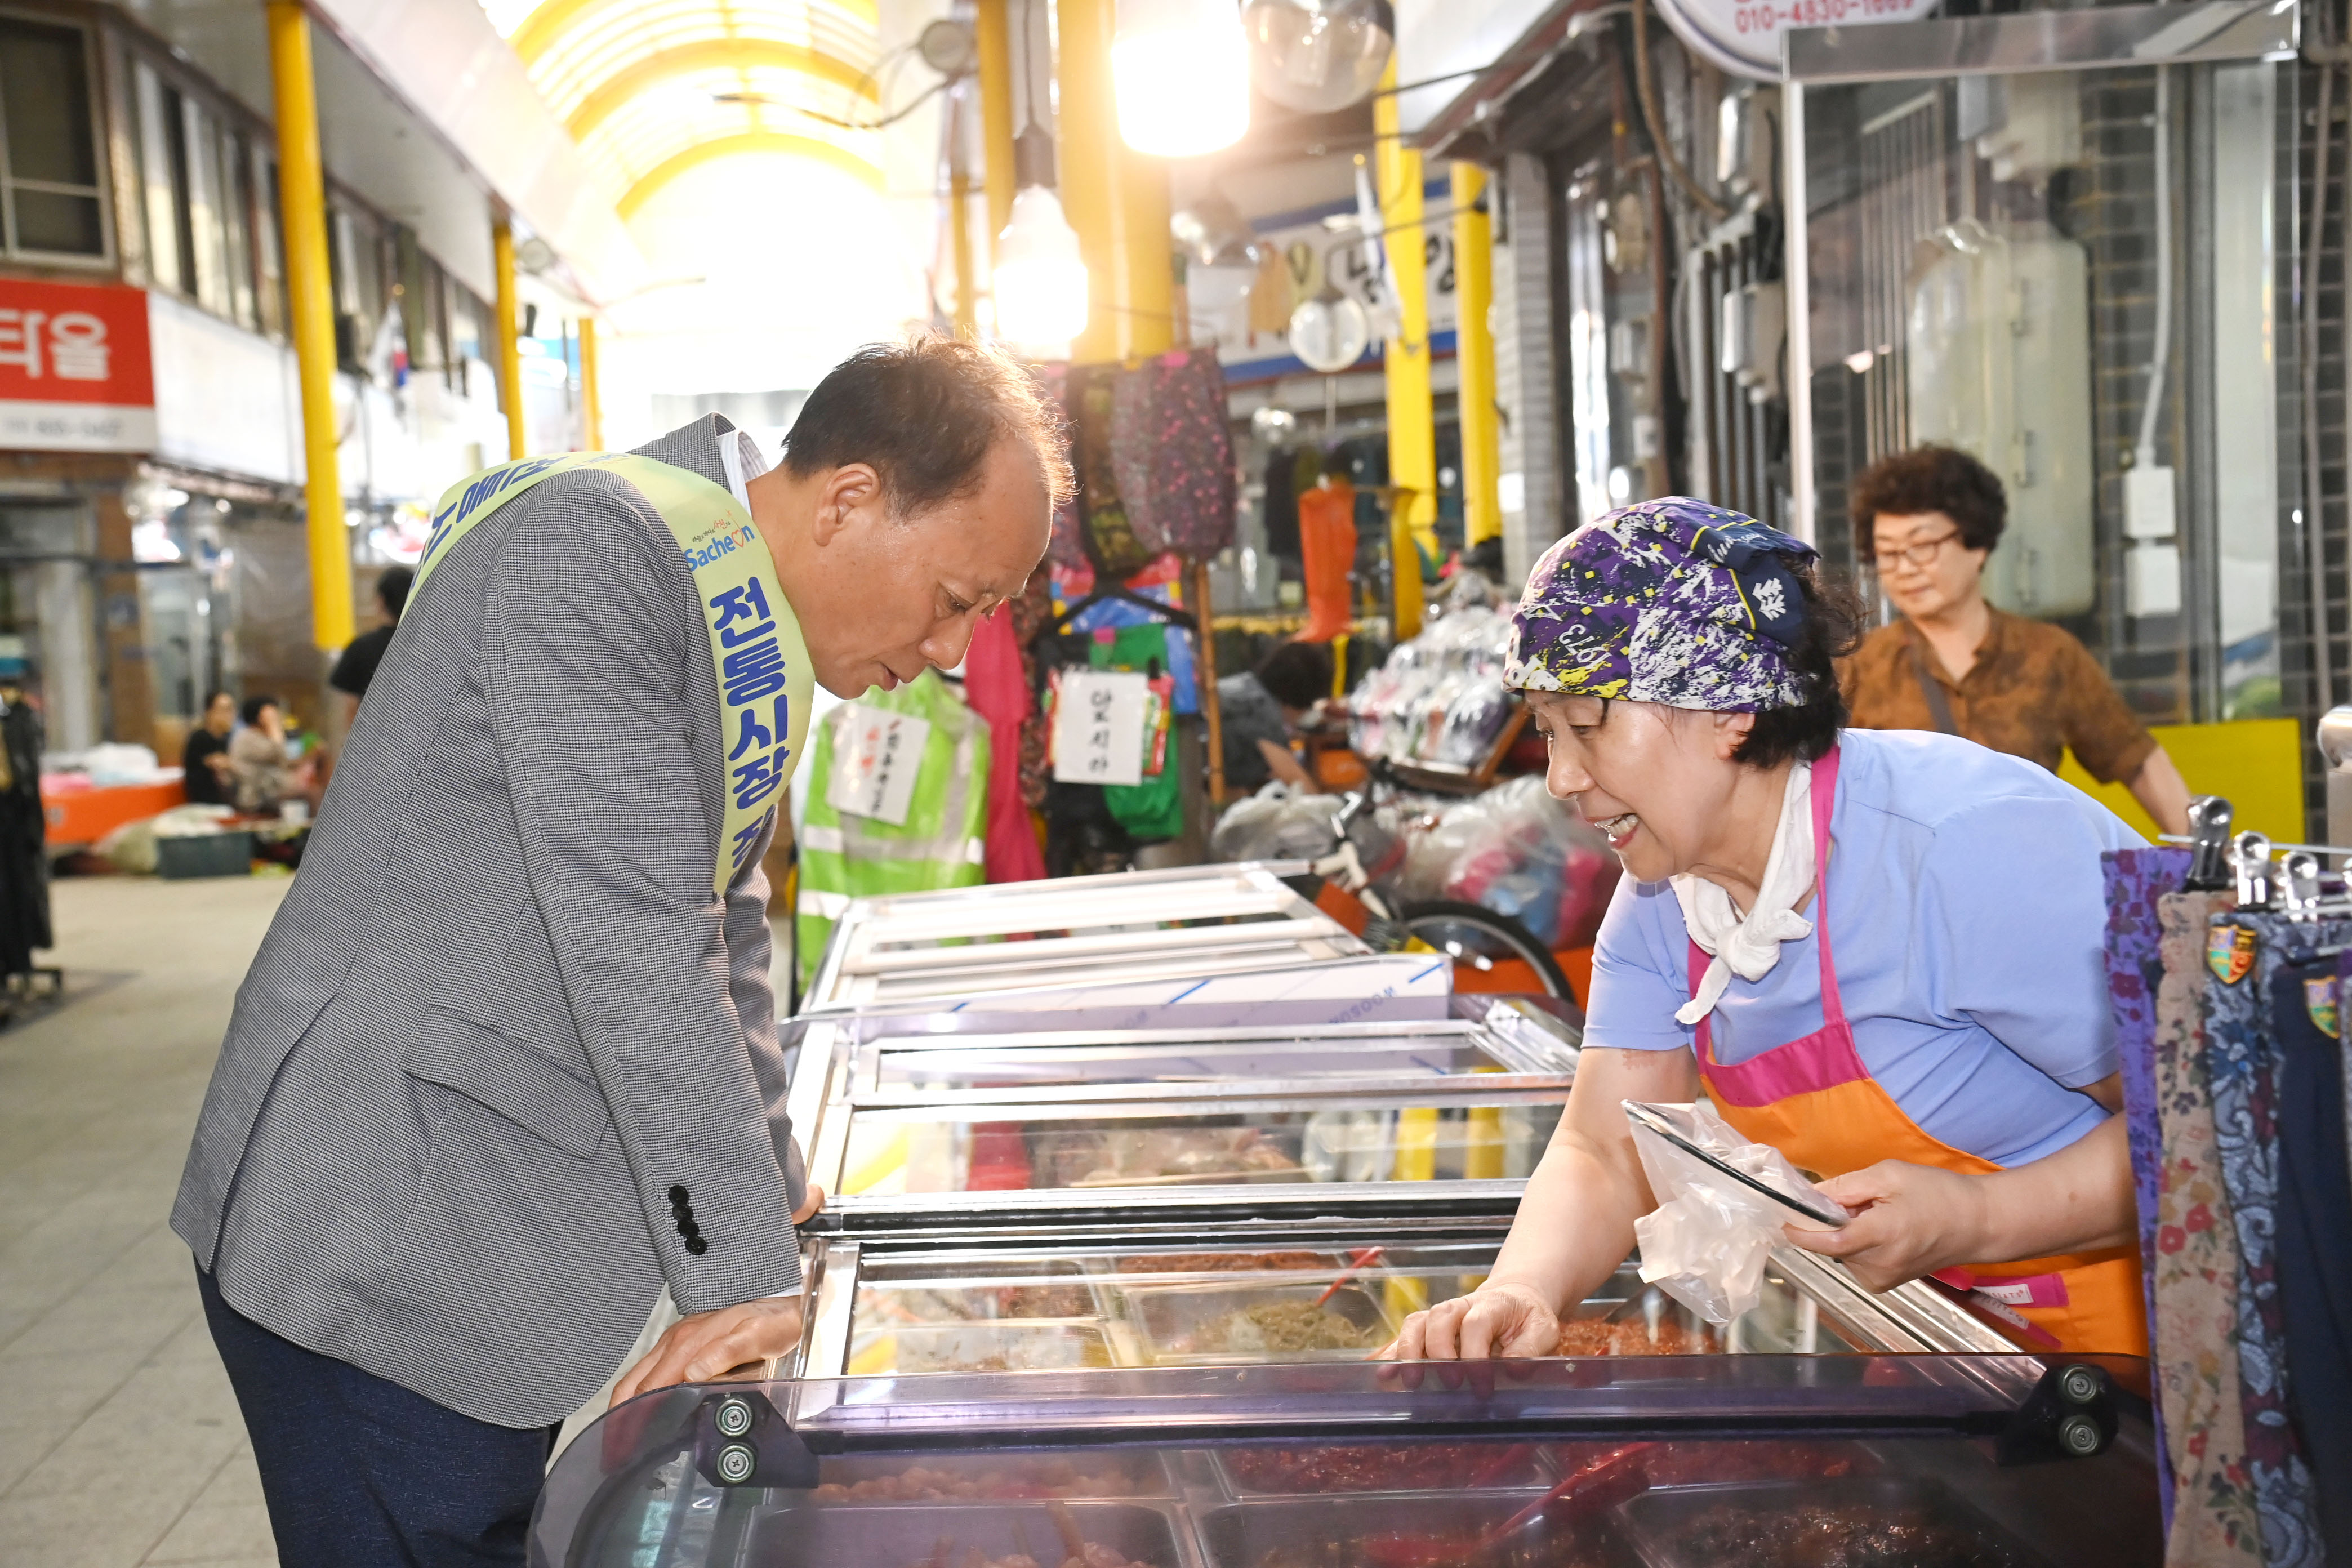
(1744, 36)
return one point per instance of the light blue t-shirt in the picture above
(1968, 915)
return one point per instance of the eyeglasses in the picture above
(1920, 553)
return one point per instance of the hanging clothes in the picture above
(24, 851)
(2214, 1519)
(2244, 951)
(1153, 809)
(943, 842)
(2136, 882)
(1326, 541)
(1280, 509)
(2315, 1222)
(997, 688)
(1173, 453)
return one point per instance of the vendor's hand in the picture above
(1909, 1220)
(1498, 1319)
(699, 1348)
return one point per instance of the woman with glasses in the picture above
(1930, 517)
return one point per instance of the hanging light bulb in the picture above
(1181, 69)
(1040, 278)
(1319, 55)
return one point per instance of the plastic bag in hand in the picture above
(1707, 1242)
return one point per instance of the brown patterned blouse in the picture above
(2033, 692)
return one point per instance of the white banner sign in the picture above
(1098, 727)
(1744, 36)
(876, 757)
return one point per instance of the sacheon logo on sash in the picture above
(2229, 953)
(761, 665)
(2319, 1001)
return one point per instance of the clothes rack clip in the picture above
(2299, 886)
(2209, 864)
(2250, 856)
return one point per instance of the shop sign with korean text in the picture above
(74, 370)
(1098, 719)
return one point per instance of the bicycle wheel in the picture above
(1490, 951)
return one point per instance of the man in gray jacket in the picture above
(505, 1064)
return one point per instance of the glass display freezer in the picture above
(980, 1300)
(932, 948)
(1657, 1461)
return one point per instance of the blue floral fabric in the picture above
(1673, 601)
(2241, 1057)
(2136, 880)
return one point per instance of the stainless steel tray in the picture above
(817, 1535)
(1404, 1530)
(1669, 1527)
(1171, 1321)
(1035, 1344)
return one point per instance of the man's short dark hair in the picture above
(1931, 478)
(251, 712)
(392, 589)
(925, 414)
(214, 695)
(1298, 674)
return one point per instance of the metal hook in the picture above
(2250, 855)
(2209, 864)
(2300, 892)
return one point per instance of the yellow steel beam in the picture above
(615, 92)
(1412, 432)
(302, 192)
(967, 305)
(1090, 151)
(547, 25)
(502, 262)
(1146, 263)
(702, 152)
(1473, 295)
(995, 38)
(591, 403)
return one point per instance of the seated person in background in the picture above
(1931, 516)
(1259, 709)
(266, 779)
(208, 776)
(356, 667)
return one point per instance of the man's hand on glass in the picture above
(704, 1345)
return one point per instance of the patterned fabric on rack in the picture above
(2243, 952)
(2136, 880)
(2192, 1334)
(1173, 453)
(2314, 1217)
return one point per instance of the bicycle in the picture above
(1491, 951)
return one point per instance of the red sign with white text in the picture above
(76, 369)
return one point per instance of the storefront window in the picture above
(55, 204)
(2074, 277)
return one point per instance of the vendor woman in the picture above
(1878, 952)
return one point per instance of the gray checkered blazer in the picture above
(503, 1065)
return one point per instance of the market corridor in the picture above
(119, 1441)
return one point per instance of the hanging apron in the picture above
(761, 665)
(1814, 1100)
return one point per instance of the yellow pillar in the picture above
(1473, 295)
(1090, 149)
(1413, 433)
(509, 337)
(995, 39)
(302, 190)
(1147, 257)
(591, 404)
(967, 297)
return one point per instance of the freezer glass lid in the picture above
(969, 1063)
(1783, 1462)
(1168, 1306)
(1006, 1148)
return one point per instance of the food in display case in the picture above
(1125, 1157)
(1041, 1345)
(1606, 1336)
(1872, 1523)
(1279, 1328)
(1383, 1467)
(1224, 1262)
(977, 1535)
(965, 1478)
(964, 1304)
(1258, 1322)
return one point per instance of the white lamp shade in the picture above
(1181, 70)
(1317, 55)
(1040, 278)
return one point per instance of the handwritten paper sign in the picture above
(876, 757)
(1098, 727)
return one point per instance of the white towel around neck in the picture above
(1749, 945)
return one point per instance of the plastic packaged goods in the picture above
(1722, 1202)
(1516, 851)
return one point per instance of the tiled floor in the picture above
(119, 1441)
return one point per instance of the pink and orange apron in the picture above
(1814, 1100)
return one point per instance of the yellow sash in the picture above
(756, 652)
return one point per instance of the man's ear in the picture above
(850, 491)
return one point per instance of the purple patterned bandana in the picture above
(1673, 601)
